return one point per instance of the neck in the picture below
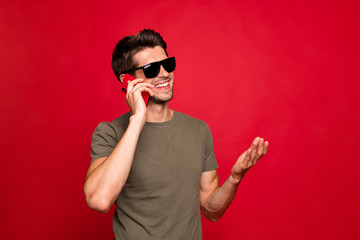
(158, 112)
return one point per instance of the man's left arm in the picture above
(214, 200)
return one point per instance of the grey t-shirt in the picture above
(160, 199)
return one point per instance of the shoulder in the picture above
(198, 124)
(115, 128)
(122, 121)
(189, 119)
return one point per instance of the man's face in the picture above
(164, 82)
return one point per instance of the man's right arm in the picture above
(107, 176)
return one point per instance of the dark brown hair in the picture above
(124, 51)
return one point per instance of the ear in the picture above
(121, 77)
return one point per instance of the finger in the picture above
(139, 85)
(266, 147)
(144, 84)
(245, 161)
(247, 155)
(253, 148)
(260, 149)
(149, 91)
(144, 89)
(132, 83)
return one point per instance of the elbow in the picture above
(98, 204)
(96, 201)
(212, 216)
(213, 219)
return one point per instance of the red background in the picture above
(287, 71)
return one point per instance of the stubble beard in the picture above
(164, 97)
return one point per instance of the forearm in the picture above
(216, 204)
(215, 201)
(105, 182)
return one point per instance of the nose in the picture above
(163, 73)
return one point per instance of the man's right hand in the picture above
(134, 97)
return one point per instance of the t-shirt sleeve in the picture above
(210, 160)
(104, 140)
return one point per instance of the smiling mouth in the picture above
(162, 85)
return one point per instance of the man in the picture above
(156, 164)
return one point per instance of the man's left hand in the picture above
(249, 158)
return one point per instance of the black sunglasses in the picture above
(151, 70)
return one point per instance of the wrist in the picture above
(236, 178)
(138, 119)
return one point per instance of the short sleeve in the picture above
(104, 140)
(210, 160)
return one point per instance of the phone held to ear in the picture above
(128, 77)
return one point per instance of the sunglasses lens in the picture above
(169, 64)
(152, 70)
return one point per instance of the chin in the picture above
(162, 99)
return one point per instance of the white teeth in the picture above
(162, 85)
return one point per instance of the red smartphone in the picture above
(128, 77)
